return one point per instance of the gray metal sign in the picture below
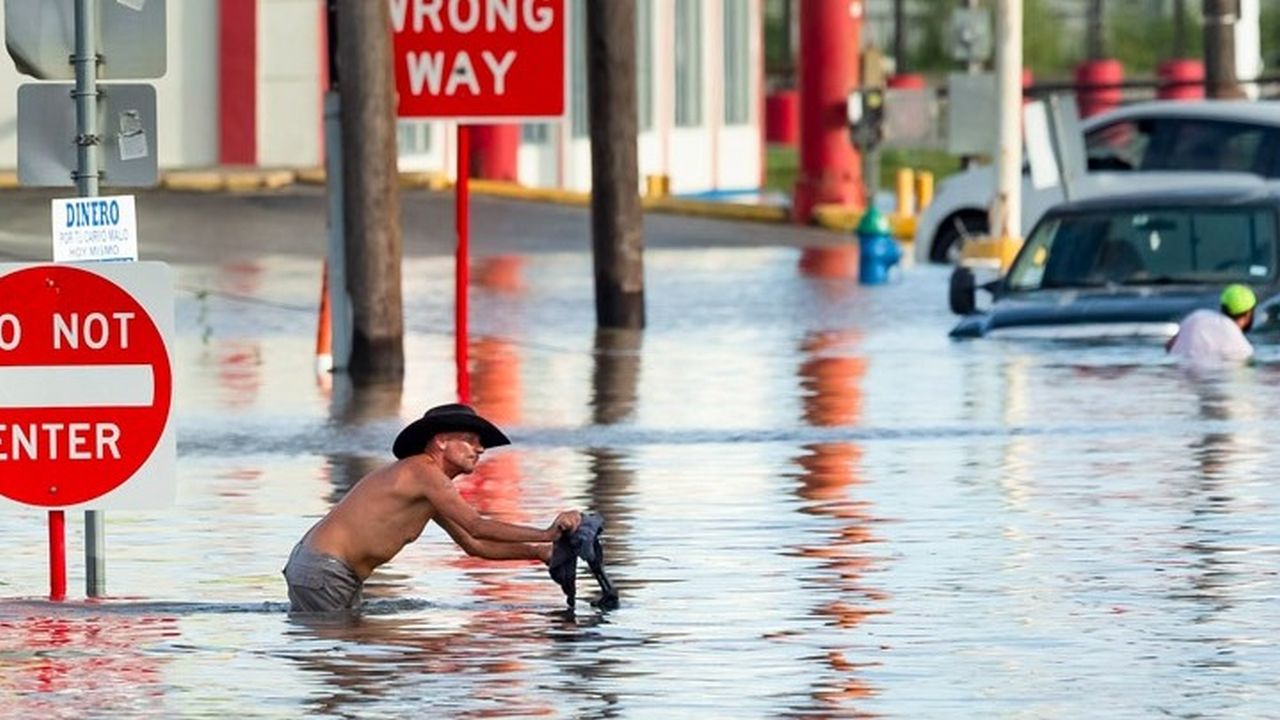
(970, 34)
(41, 37)
(47, 134)
(971, 114)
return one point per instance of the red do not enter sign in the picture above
(85, 383)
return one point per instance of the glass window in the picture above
(644, 64)
(413, 137)
(536, 133)
(578, 120)
(1157, 246)
(688, 41)
(1213, 145)
(1119, 146)
(737, 61)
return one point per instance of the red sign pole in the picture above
(57, 555)
(461, 270)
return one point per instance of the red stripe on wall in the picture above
(237, 82)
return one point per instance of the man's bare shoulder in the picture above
(417, 475)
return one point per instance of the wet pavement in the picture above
(816, 503)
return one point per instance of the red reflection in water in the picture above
(243, 482)
(500, 273)
(831, 381)
(66, 667)
(496, 488)
(239, 372)
(836, 261)
(831, 377)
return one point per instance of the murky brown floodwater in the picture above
(817, 505)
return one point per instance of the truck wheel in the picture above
(949, 241)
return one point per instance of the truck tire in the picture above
(949, 240)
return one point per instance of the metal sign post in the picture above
(86, 95)
(511, 70)
(40, 37)
(462, 263)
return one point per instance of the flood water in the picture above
(816, 504)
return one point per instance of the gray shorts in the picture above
(319, 582)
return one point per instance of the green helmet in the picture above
(1237, 300)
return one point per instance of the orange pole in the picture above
(324, 329)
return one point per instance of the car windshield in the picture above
(1148, 246)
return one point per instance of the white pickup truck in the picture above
(1159, 139)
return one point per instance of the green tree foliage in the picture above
(1141, 42)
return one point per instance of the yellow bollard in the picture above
(657, 186)
(906, 192)
(1007, 250)
(924, 190)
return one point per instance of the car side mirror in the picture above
(961, 292)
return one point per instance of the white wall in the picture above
(290, 104)
(186, 97)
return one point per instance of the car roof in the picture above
(1226, 190)
(1261, 112)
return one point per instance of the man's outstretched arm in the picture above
(491, 550)
(450, 506)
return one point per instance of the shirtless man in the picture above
(388, 509)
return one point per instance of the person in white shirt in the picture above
(1208, 336)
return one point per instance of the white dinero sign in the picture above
(95, 228)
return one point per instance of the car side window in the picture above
(1120, 145)
(1216, 145)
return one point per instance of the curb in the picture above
(226, 180)
(845, 219)
(839, 218)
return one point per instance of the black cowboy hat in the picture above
(454, 417)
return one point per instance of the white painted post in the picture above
(1006, 208)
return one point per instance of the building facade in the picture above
(245, 83)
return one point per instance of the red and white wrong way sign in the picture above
(479, 60)
(86, 385)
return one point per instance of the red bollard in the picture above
(1181, 79)
(494, 149)
(1097, 86)
(907, 81)
(782, 117)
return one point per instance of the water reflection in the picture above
(105, 662)
(1220, 462)
(834, 261)
(615, 375)
(364, 661)
(615, 379)
(351, 404)
(830, 376)
(500, 273)
(356, 402)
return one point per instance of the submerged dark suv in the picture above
(1132, 264)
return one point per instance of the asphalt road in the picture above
(207, 227)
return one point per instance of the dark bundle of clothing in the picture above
(582, 543)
